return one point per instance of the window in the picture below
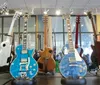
(57, 24)
(7, 24)
(30, 25)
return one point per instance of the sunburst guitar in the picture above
(24, 65)
(72, 65)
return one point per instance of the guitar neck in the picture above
(25, 34)
(45, 30)
(70, 42)
(93, 25)
(10, 30)
(77, 28)
(94, 29)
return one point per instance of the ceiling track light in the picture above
(71, 11)
(85, 12)
(46, 12)
(58, 12)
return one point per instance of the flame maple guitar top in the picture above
(46, 61)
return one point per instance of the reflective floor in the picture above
(50, 80)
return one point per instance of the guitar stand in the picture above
(98, 73)
(23, 81)
(65, 81)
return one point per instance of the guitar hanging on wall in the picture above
(46, 61)
(6, 45)
(72, 64)
(24, 65)
(96, 53)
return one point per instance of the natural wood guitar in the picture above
(46, 61)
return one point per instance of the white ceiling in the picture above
(78, 6)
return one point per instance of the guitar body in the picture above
(76, 69)
(46, 61)
(31, 67)
(5, 52)
(95, 54)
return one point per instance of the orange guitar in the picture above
(46, 61)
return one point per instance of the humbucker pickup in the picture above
(72, 59)
(24, 51)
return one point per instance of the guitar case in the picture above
(65, 81)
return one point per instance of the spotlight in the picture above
(82, 25)
(85, 12)
(46, 11)
(7, 13)
(58, 12)
(20, 13)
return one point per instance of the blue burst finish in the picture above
(20, 67)
(72, 64)
(69, 67)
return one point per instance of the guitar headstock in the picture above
(16, 15)
(3, 8)
(89, 15)
(26, 16)
(66, 16)
(78, 19)
(45, 19)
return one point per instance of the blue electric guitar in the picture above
(72, 65)
(24, 65)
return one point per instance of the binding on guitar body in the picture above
(72, 65)
(24, 65)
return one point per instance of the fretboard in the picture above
(25, 36)
(70, 41)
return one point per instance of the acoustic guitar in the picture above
(72, 65)
(96, 53)
(24, 65)
(46, 62)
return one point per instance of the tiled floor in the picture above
(50, 80)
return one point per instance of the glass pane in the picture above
(40, 23)
(72, 24)
(59, 42)
(40, 40)
(73, 37)
(30, 25)
(87, 40)
(31, 41)
(7, 23)
(57, 24)
(0, 38)
(86, 25)
(0, 26)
